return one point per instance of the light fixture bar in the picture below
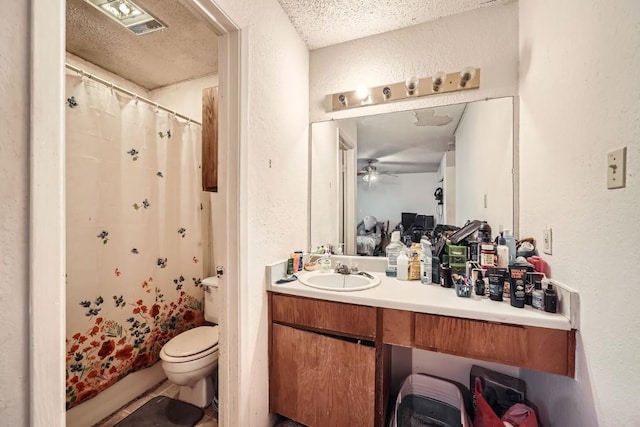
(467, 79)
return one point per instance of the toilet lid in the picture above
(193, 341)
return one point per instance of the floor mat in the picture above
(162, 411)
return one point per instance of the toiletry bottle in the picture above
(550, 299)
(480, 286)
(503, 253)
(487, 256)
(517, 292)
(426, 260)
(506, 283)
(511, 244)
(393, 250)
(496, 286)
(402, 266)
(537, 296)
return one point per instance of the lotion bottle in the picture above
(403, 266)
(511, 244)
(503, 253)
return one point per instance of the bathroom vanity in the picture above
(330, 352)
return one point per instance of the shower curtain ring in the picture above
(175, 113)
(82, 73)
(157, 107)
(135, 99)
(188, 122)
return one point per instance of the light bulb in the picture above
(386, 92)
(438, 79)
(362, 93)
(411, 84)
(342, 99)
(467, 74)
(124, 8)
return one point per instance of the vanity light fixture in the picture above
(129, 15)
(468, 78)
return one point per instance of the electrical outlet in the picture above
(617, 168)
(546, 241)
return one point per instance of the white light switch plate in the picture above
(617, 168)
(546, 241)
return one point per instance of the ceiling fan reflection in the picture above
(370, 173)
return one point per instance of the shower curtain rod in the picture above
(131, 94)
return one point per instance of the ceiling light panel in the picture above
(128, 14)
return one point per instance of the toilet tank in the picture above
(211, 299)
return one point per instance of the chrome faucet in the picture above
(342, 268)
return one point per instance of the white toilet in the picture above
(190, 358)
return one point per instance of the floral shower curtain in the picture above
(135, 234)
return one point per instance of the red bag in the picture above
(518, 415)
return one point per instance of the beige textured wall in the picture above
(569, 120)
(14, 213)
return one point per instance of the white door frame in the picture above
(47, 208)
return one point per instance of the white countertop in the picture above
(422, 298)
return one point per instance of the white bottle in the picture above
(503, 253)
(403, 266)
(511, 244)
(393, 250)
(425, 260)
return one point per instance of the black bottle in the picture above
(496, 286)
(480, 287)
(550, 299)
(517, 293)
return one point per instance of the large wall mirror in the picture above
(442, 165)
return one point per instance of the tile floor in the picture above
(165, 388)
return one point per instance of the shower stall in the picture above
(137, 228)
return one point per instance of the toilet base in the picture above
(199, 394)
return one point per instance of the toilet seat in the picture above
(191, 345)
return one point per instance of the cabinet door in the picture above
(210, 139)
(321, 381)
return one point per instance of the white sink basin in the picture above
(337, 281)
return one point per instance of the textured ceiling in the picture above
(323, 23)
(186, 49)
(399, 146)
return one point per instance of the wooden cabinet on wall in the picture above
(210, 139)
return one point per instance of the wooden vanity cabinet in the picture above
(330, 362)
(322, 365)
(542, 349)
